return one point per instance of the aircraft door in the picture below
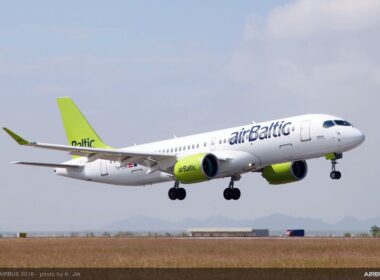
(305, 131)
(212, 144)
(103, 167)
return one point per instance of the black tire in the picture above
(227, 194)
(333, 175)
(338, 175)
(236, 193)
(181, 194)
(173, 193)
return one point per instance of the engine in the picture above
(196, 168)
(286, 172)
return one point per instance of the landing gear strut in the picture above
(231, 192)
(335, 175)
(176, 192)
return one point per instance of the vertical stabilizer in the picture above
(78, 131)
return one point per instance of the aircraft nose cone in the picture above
(359, 137)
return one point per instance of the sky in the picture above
(142, 71)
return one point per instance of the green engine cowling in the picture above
(196, 168)
(287, 172)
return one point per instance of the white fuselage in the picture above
(240, 149)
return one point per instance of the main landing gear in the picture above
(231, 192)
(176, 192)
(335, 175)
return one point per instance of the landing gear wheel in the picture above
(335, 175)
(173, 193)
(227, 193)
(181, 193)
(236, 193)
(231, 192)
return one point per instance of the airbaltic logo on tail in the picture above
(276, 129)
(85, 142)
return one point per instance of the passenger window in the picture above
(171, 150)
(198, 145)
(342, 123)
(328, 124)
(224, 141)
(193, 147)
(188, 147)
(205, 144)
(176, 149)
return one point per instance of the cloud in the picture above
(312, 48)
(307, 17)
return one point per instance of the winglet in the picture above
(16, 137)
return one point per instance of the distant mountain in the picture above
(272, 222)
(281, 222)
(141, 223)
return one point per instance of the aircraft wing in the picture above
(125, 156)
(54, 165)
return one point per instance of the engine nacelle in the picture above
(286, 172)
(196, 168)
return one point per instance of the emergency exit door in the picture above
(305, 131)
(212, 143)
(103, 167)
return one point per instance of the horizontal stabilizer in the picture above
(54, 165)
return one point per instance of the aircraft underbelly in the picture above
(237, 162)
(103, 171)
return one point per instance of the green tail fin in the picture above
(78, 131)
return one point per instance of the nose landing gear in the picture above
(176, 192)
(334, 174)
(231, 192)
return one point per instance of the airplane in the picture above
(277, 149)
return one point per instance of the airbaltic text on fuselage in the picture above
(276, 129)
(83, 143)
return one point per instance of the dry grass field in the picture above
(187, 252)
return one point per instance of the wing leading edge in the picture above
(54, 165)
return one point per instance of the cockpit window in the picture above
(328, 124)
(342, 123)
